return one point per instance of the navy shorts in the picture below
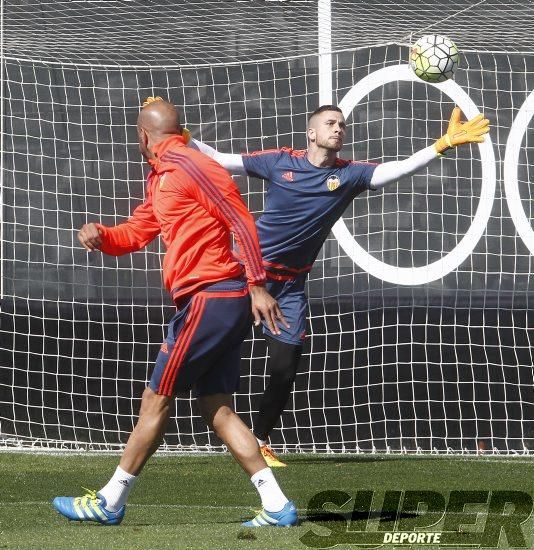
(202, 351)
(293, 302)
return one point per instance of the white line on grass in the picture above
(193, 506)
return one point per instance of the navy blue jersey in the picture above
(302, 204)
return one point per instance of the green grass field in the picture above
(198, 502)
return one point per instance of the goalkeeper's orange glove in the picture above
(186, 134)
(459, 132)
(151, 99)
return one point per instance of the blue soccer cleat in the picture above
(90, 507)
(287, 517)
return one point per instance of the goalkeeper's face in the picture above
(327, 130)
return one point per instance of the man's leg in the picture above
(282, 365)
(218, 413)
(148, 433)
(107, 506)
(143, 442)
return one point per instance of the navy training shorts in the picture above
(293, 302)
(202, 351)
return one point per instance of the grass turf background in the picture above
(199, 502)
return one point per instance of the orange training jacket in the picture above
(194, 203)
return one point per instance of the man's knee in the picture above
(284, 359)
(281, 379)
(221, 419)
(215, 409)
(152, 403)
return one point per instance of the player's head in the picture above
(327, 128)
(157, 121)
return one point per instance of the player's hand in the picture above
(460, 132)
(89, 237)
(264, 305)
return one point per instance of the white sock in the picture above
(272, 498)
(117, 489)
(261, 442)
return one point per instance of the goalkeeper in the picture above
(195, 205)
(308, 192)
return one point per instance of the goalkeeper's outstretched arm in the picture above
(232, 162)
(458, 133)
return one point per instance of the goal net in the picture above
(419, 337)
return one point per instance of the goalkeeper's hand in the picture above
(459, 132)
(186, 134)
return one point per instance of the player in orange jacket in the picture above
(194, 204)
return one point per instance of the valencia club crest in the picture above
(333, 183)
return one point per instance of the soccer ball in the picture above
(434, 58)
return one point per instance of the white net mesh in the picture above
(444, 365)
